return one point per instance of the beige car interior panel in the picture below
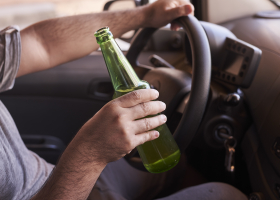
(219, 11)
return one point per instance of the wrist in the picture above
(147, 16)
(82, 150)
(73, 177)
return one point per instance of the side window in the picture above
(25, 12)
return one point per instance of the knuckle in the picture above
(120, 118)
(126, 131)
(181, 11)
(136, 95)
(128, 146)
(145, 138)
(176, 12)
(146, 108)
(147, 124)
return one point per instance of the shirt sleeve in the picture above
(10, 51)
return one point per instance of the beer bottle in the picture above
(162, 153)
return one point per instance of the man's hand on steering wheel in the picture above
(163, 12)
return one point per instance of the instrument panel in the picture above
(238, 64)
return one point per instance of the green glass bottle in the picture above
(162, 153)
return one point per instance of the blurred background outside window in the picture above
(26, 12)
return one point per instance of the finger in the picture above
(137, 96)
(147, 124)
(145, 137)
(145, 109)
(175, 26)
(180, 11)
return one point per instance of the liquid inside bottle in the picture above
(158, 155)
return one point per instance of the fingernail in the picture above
(156, 134)
(164, 118)
(156, 93)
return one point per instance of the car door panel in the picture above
(58, 101)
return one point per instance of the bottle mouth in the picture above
(102, 31)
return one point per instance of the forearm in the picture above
(55, 41)
(52, 42)
(74, 176)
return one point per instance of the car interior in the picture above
(219, 76)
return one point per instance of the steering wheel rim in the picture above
(201, 65)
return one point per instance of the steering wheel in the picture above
(200, 80)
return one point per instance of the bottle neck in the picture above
(122, 74)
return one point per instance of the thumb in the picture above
(180, 11)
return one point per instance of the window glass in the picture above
(26, 12)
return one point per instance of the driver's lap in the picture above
(121, 181)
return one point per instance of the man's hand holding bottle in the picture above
(114, 131)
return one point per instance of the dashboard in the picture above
(238, 64)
